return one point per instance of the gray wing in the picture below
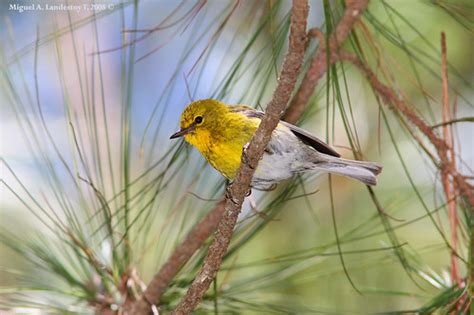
(302, 134)
(311, 140)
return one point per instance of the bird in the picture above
(220, 132)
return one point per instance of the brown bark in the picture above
(395, 103)
(318, 67)
(459, 186)
(236, 192)
(193, 241)
(208, 224)
(449, 186)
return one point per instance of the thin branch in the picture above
(315, 33)
(193, 241)
(89, 254)
(209, 223)
(449, 187)
(397, 104)
(236, 192)
(185, 20)
(318, 67)
(453, 121)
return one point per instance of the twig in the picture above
(236, 192)
(315, 33)
(449, 187)
(186, 18)
(194, 240)
(318, 67)
(398, 105)
(460, 184)
(98, 266)
(453, 121)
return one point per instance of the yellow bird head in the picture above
(200, 121)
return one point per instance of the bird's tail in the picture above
(366, 172)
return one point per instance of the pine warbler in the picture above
(220, 131)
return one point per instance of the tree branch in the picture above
(450, 157)
(193, 241)
(318, 67)
(453, 121)
(208, 224)
(445, 165)
(397, 104)
(236, 192)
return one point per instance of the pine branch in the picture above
(453, 121)
(446, 166)
(449, 187)
(318, 67)
(236, 192)
(399, 105)
(193, 241)
(208, 224)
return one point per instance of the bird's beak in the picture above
(182, 132)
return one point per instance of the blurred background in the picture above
(91, 92)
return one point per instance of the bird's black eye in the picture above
(198, 119)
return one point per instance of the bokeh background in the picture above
(91, 94)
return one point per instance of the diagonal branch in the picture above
(194, 240)
(446, 165)
(208, 224)
(395, 103)
(236, 192)
(318, 67)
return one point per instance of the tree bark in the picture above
(236, 192)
